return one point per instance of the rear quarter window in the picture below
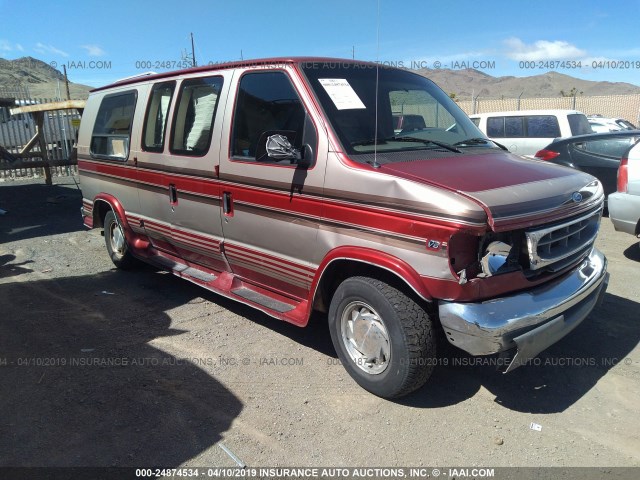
(112, 129)
(579, 124)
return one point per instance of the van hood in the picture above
(514, 192)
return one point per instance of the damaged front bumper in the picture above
(530, 321)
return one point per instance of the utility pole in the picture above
(193, 53)
(66, 81)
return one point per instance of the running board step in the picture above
(184, 269)
(263, 300)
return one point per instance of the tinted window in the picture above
(266, 102)
(194, 115)
(514, 127)
(495, 126)
(543, 126)
(476, 121)
(155, 124)
(611, 147)
(112, 128)
(579, 124)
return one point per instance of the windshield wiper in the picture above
(446, 146)
(382, 141)
(478, 141)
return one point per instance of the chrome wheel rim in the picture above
(365, 337)
(117, 238)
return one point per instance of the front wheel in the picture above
(383, 338)
(117, 243)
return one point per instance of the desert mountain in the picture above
(40, 79)
(465, 83)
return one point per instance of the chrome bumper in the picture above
(530, 321)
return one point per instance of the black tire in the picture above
(407, 352)
(117, 243)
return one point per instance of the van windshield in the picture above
(412, 112)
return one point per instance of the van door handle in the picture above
(173, 194)
(227, 204)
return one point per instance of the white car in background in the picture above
(603, 124)
(624, 205)
(525, 132)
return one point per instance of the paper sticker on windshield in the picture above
(343, 95)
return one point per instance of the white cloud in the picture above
(542, 50)
(588, 61)
(19, 47)
(4, 46)
(93, 50)
(627, 54)
(42, 48)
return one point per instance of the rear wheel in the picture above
(383, 338)
(117, 243)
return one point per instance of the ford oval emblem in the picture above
(576, 197)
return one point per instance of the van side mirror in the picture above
(276, 145)
(279, 147)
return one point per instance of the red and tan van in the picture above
(291, 186)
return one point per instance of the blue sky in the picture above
(101, 41)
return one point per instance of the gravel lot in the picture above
(100, 367)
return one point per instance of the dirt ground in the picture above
(100, 367)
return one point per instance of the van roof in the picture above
(145, 77)
(516, 113)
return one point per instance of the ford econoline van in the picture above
(524, 132)
(343, 187)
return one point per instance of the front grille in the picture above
(553, 247)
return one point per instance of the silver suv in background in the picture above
(624, 205)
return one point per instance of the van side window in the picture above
(543, 126)
(155, 123)
(112, 130)
(265, 102)
(194, 115)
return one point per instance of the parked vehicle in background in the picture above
(598, 154)
(526, 131)
(283, 184)
(624, 204)
(601, 124)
